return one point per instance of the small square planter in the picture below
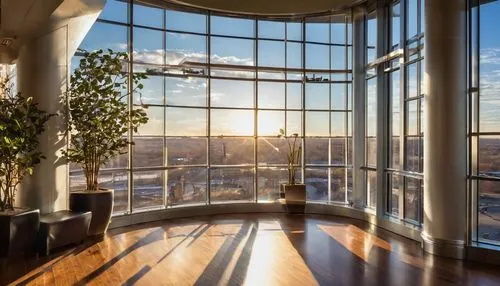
(18, 233)
(293, 197)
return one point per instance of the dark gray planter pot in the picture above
(100, 203)
(293, 197)
(18, 233)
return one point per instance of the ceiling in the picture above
(270, 7)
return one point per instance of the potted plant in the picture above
(21, 121)
(293, 195)
(99, 120)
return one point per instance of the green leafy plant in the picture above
(21, 121)
(293, 156)
(99, 117)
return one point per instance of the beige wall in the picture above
(43, 69)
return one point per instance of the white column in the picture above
(358, 103)
(445, 123)
(43, 69)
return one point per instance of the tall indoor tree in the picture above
(98, 111)
(99, 122)
(21, 121)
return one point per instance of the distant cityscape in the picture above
(188, 185)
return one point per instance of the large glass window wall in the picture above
(484, 125)
(219, 89)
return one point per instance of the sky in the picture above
(192, 92)
(148, 48)
(489, 60)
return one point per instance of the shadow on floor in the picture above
(214, 271)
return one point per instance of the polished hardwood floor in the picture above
(251, 249)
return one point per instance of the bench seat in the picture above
(62, 228)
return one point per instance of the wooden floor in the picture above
(253, 249)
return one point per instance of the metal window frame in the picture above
(256, 68)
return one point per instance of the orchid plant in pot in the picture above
(293, 194)
(99, 121)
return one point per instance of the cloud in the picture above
(490, 56)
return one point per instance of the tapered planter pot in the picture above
(18, 232)
(100, 203)
(293, 197)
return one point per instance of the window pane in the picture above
(148, 16)
(396, 14)
(488, 163)
(271, 29)
(230, 72)
(271, 53)
(371, 122)
(231, 151)
(489, 62)
(412, 18)
(271, 95)
(317, 184)
(338, 30)
(274, 150)
(294, 31)
(338, 185)
(294, 95)
(371, 185)
(185, 48)
(232, 26)
(116, 180)
(372, 37)
(412, 156)
(188, 22)
(186, 186)
(412, 118)
(338, 121)
(152, 93)
(412, 81)
(232, 122)
(155, 123)
(147, 152)
(338, 96)
(338, 151)
(232, 93)
(269, 182)
(317, 151)
(294, 123)
(270, 122)
(317, 96)
(317, 30)
(293, 55)
(186, 122)
(106, 36)
(317, 123)
(338, 58)
(115, 10)
(371, 151)
(232, 51)
(231, 184)
(394, 200)
(412, 199)
(317, 56)
(186, 151)
(189, 91)
(396, 118)
(148, 46)
(489, 211)
(148, 189)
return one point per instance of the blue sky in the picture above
(489, 60)
(148, 48)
